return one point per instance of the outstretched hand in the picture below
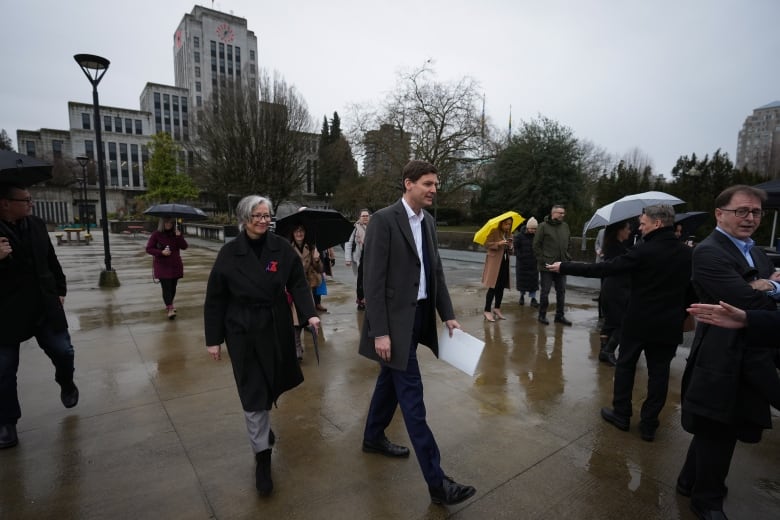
(722, 315)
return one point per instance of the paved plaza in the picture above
(159, 432)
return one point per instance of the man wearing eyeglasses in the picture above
(33, 290)
(719, 406)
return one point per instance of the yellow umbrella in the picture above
(481, 235)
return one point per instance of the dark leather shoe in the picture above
(647, 433)
(8, 438)
(608, 358)
(563, 321)
(621, 423)
(385, 447)
(263, 482)
(450, 492)
(321, 308)
(69, 395)
(702, 514)
(534, 303)
(543, 320)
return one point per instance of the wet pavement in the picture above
(159, 432)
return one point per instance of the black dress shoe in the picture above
(450, 492)
(562, 321)
(263, 482)
(385, 447)
(621, 423)
(646, 432)
(69, 395)
(8, 438)
(543, 320)
(716, 514)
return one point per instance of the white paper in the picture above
(462, 350)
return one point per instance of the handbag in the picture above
(322, 288)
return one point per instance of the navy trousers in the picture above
(404, 388)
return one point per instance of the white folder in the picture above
(462, 350)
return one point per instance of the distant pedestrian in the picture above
(353, 255)
(165, 245)
(526, 269)
(551, 244)
(495, 274)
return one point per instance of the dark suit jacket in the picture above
(32, 281)
(660, 271)
(391, 278)
(717, 384)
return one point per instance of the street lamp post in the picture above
(84, 212)
(94, 67)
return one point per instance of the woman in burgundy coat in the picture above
(165, 245)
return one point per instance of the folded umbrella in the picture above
(23, 170)
(324, 227)
(481, 236)
(173, 210)
(313, 331)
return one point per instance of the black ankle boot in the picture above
(263, 481)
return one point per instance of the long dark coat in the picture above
(660, 270)
(166, 267)
(719, 383)
(615, 290)
(246, 307)
(391, 276)
(526, 271)
(31, 282)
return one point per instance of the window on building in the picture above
(213, 49)
(156, 100)
(56, 148)
(222, 50)
(135, 167)
(197, 56)
(117, 124)
(113, 166)
(124, 165)
(89, 149)
(139, 129)
(107, 123)
(197, 86)
(30, 148)
(196, 42)
(144, 157)
(197, 72)
(238, 54)
(184, 107)
(198, 101)
(128, 125)
(85, 121)
(251, 55)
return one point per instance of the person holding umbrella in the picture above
(495, 274)
(246, 307)
(165, 246)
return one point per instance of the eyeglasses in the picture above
(743, 212)
(260, 217)
(28, 200)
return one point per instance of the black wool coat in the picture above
(526, 272)
(246, 307)
(660, 271)
(31, 282)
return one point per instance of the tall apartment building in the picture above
(758, 145)
(387, 150)
(211, 50)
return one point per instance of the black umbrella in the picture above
(691, 221)
(324, 227)
(176, 211)
(23, 170)
(313, 331)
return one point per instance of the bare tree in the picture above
(256, 145)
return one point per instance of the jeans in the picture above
(56, 345)
(548, 279)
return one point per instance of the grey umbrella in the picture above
(23, 170)
(174, 210)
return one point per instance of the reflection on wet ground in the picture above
(159, 432)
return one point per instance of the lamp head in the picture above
(93, 66)
(83, 160)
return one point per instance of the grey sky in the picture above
(670, 77)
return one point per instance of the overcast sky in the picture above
(669, 77)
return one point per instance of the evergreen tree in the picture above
(335, 127)
(324, 133)
(164, 182)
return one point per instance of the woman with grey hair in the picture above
(247, 307)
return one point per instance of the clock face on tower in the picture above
(225, 33)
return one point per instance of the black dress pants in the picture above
(706, 468)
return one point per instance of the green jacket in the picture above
(551, 242)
